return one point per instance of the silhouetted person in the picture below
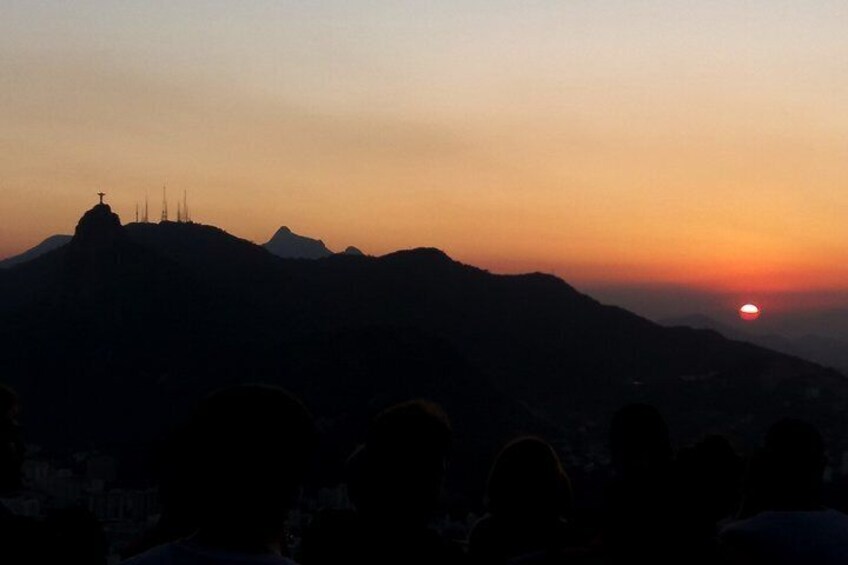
(529, 503)
(22, 540)
(640, 522)
(331, 537)
(178, 515)
(77, 536)
(709, 477)
(248, 448)
(753, 492)
(792, 526)
(12, 447)
(395, 481)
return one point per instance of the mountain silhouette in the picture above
(112, 337)
(289, 245)
(829, 351)
(49, 244)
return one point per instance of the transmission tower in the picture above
(164, 204)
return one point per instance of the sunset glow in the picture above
(608, 143)
(394, 271)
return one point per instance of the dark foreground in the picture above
(231, 476)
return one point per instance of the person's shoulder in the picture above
(159, 555)
(483, 538)
(186, 553)
(482, 524)
(745, 526)
(25, 539)
(482, 529)
(780, 520)
(734, 526)
(836, 515)
(834, 521)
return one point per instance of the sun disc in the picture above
(749, 312)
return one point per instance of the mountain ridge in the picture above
(49, 244)
(152, 316)
(824, 350)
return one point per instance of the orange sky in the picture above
(607, 142)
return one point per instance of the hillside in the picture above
(827, 351)
(49, 244)
(113, 336)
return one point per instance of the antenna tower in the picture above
(164, 204)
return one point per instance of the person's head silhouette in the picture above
(784, 520)
(399, 473)
(709, 476)
(11, 443)
(528, 482)
(639, 441)
(792, 464)
(248, 449)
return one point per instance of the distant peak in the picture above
(290, 245)
(59, 239)
(49, 244)
(351, 250)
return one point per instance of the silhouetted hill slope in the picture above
(49, 244)
(289, 245)
(100, 272)
(217, 261)
(348, 376)
(569, 357)
(198, 246)
(133, 324)
(827, 351)
(112, 337)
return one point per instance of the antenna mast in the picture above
(164, 204)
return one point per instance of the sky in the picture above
(657, 148)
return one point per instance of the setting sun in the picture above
(749, 312)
